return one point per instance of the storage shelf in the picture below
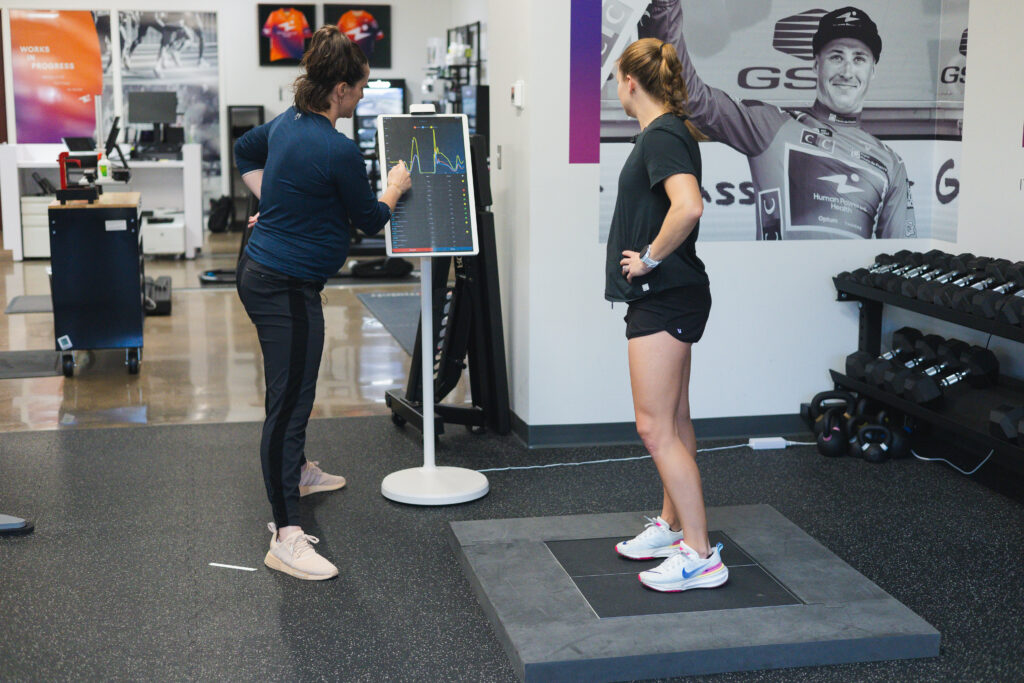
(964, 412)
(848, 290)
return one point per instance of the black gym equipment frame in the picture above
(965, 414)
(466, 319)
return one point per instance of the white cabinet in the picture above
(163, 233)
(35, 233)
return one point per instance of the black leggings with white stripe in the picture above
(289, 319)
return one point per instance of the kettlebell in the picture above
(853, 425)
(832, 437)
(864, 406)
(900, 446)
(874, 442)
(823, 402)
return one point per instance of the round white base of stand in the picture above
(434, 486)
(16, 526)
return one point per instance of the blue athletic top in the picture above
(314, 190)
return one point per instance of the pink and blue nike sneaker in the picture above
(685, 569)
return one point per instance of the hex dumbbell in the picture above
(988, 302)
(883, 263)
(930, 261)
(1004, 422)
(1012, 309)
(903, 339)
(967, 272)
(998, 272)
(947, 358)
(982, 277)
(954, 264)
(909, 263)
(891, 376)
(979, 368)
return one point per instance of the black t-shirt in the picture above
(663, 149)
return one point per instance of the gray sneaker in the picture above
(295, 556)
(315, 480)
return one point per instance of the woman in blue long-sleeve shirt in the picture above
(313, 189)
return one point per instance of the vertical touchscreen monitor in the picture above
(437, 217)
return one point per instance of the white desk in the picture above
(163, 184)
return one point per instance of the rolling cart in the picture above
(97, 281)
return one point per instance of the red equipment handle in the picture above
(63, 160)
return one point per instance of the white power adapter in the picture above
(767, 443)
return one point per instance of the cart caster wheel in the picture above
(398, 419)
(133, 362)
(68, 365)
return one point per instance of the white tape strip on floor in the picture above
(231, 566)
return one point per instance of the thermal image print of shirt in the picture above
(287, 30)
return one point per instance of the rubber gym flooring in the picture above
(115, 583)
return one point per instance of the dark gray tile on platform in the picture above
(588, 556)
(551, 632)
(610, 586)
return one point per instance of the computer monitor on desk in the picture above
(156, 107)
(152, 106)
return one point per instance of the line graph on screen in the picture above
(427, 158)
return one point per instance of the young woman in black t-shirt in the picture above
(653, 265)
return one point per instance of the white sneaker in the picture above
(685, 570)
(315, 480)
(655, 541)
(295, 556)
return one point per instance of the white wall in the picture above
(775, 327)
(511, 188)
(992, 193)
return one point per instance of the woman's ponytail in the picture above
(655, 65)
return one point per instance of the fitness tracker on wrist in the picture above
(647, 260)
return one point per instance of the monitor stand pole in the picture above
(431, 485)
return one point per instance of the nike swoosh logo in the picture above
(699, 570)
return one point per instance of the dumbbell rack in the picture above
(963, 413)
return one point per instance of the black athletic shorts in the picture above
(681, 311)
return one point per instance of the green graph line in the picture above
(414, 156)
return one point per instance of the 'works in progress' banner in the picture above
(57, 73)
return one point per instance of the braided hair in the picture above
(655, 65)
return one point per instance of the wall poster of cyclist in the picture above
(368, 26)
(285, 32)
(825, 120)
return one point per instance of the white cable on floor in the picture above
(921, 457)
(597, 462)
